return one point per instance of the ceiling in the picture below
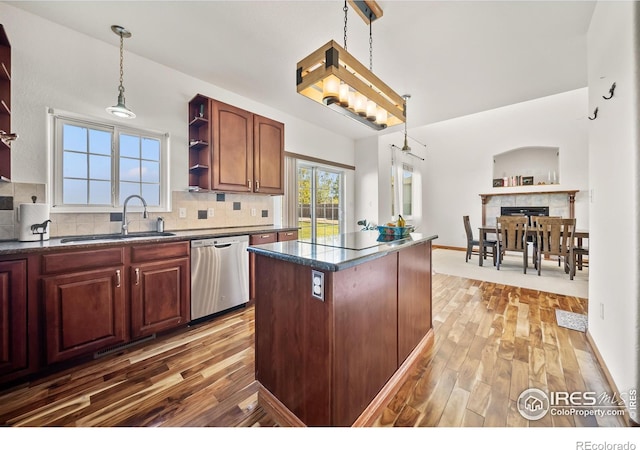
(453, 57)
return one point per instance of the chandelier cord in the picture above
(345, 9)
(370, 44)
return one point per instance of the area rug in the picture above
(571, 320)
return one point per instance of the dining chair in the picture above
(555, 237)
(472, 243)
(512, 237)
(578, 252)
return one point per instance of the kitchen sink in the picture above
(115, 236)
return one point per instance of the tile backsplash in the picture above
(201, 210)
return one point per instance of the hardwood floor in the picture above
(491, 342)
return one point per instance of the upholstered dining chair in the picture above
(472, 244)
(512, 237)
(555, 237)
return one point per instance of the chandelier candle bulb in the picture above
(344, 95)
(381, 117)
(330, 89)
(372, 110)
(361, 104)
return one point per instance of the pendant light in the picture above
(405, 147)
(120, 109)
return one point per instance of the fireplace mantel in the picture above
(519, 191)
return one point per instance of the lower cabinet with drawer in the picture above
(265, 238)
(104, 297)
(84, 302)
(160, 288)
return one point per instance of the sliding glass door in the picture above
(320, 201)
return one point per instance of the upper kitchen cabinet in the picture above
(246, 150)
(5, 106)
(232, 137)
(199, 148)
(268, 156)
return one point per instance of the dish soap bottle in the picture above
(401, 222)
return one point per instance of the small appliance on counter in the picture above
(33, 221)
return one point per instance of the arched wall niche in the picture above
(526, 166)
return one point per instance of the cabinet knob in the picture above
(257, 185)
(249, 184)
(137, 271)
(118, 278)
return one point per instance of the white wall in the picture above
(459, 158)
(56, 67)
(613, 177)
(366, 160)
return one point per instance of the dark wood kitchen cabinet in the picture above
(234, 150)
(265, 238)
(160, 287)
(199, 146)
(232, 137)
(268, 156)
(13, 317)
(104, 297)
(84, 302)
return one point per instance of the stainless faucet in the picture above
(125, 224)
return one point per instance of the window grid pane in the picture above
(92, 164)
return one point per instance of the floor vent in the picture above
(117, 348)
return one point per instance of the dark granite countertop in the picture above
(54, 244)
(339, 253)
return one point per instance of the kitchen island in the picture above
(339, 324)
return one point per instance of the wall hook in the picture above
(595, 114)
(613, 88)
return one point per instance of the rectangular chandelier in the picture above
(334, 78)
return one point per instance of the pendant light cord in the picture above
(121, 87)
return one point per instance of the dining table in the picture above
(484, 230)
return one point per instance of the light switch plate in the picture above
(182, 213)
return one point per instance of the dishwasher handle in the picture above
(228, 244)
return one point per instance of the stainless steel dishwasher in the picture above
(219, 275)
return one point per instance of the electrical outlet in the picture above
(182, 213)
(253, 212)
(210, 212)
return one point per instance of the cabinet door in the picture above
(232, 138)
(268, 162)
(13, 316)
(85, 312)
(257, 239)
(160, 294)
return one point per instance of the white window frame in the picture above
(397, 204)
(313, 167)
(55, 151)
